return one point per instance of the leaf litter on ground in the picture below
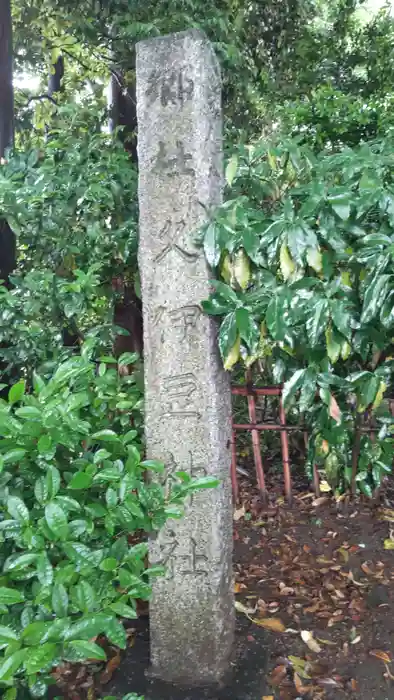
(319, 580)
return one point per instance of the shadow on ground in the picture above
(246, 680)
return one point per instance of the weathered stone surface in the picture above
(187, 392)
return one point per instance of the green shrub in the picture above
(331, 117)
(305, 249)
(72, 205)
(73, 487)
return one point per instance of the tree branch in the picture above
(40, 98)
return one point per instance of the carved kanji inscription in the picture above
(179, 393)
(174, 161)
(170, 236)
(184, 558)
(172, 88)
(183, 321)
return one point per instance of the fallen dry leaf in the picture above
(243, 609)
(270, 623)
(382, 655)
(286, 590)
(238, 587)
(366, 569)
(316, 669)
(299, 666)
(267, 697)
(311, 643)
(327, 642)
(386, 514)
(299, 684)
(319, 501)
(313, 608)
(388, 544)
(239, 513)
(388, 673)
(261, 607)
(328, 683)
(344, 554)
(278, 675)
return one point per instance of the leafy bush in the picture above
(73, 488)
(333, 118)
(304, 247)
(73, 208)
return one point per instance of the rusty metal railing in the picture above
(252, 392)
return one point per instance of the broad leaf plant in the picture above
(304, 248)
(73, 490)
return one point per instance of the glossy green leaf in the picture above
(105, 436)
(123, 610)
(342, 318)
(227, 334)
(7, 636)
(41, 490)
(44, 570)
(247, 327)
(60, 600)
(31, 413)
(212, 247)
(85, 596)
(44, 444)
(300, 238)
(14, 456)
(19, 562)
(128, 358)
(341, 205)
(291, 387)
(116, 633)
(203, 482)
(17, 509)
(275, 317)
(153, 465)
(316, 323)
(88, 650)
(56, 520)
(10, 596)
(87, 627)
(308, 390)
(11, 664)
(16, 392)
(333, 344)
(80, 480)
(374, 297)
(41, 658)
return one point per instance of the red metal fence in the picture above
(252, 392)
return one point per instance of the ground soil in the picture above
(314, 593)
(321, 568)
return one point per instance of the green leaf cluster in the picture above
(312, 301)
(72, 206)
(73, 488)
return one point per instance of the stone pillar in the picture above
(187, 393)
